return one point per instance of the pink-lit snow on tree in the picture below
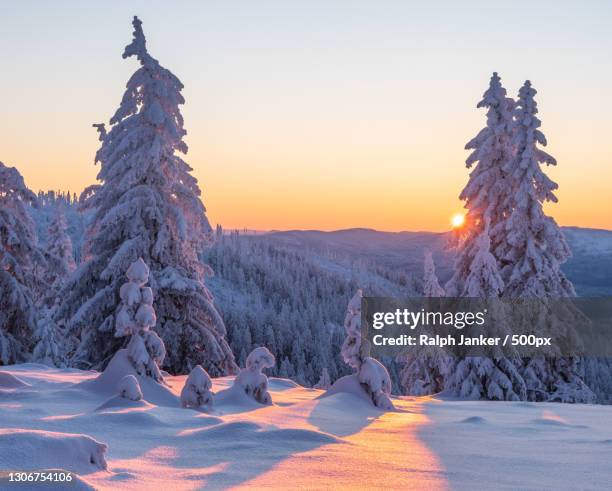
(21, 263)
(252, 380)
(147, 206)
(196, 392)
(372, 375)
(135, 318)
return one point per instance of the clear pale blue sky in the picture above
(318, 114)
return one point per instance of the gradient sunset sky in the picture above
(316, 114)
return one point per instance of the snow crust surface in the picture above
(64, 419)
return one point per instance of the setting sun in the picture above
(458, 220)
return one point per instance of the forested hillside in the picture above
(292, 302)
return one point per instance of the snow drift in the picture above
(108, 382)
(10, 381)
(35, 450)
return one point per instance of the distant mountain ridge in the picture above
(590, 268)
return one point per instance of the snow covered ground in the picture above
(302, 441)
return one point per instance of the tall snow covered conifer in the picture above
(537, 247)
(531, 265)
(60, 247)
(147, 205)
(51, 343)
(20, 262)
(481, 245)
(511, 249)
(486, 193)
(477, 377)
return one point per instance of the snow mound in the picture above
(254, 434)
(10, 381)
(34, 450)
(108, 381)
(373, 377)
(555, 423)
(281, 384)
(119, 402)
(235, 399)
(525, 404)
(348, 384)
(550, 418)
(299, 435)
(474, 420)
(129, 388)
(231, 430)
(133, 417)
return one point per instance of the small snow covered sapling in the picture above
(372, 375)
(129, 388)
(252, 380)
(376, 377)
(196, 392)
(351, 348)
(431, 286)
(324, 382)
(136, 317)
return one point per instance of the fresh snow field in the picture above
(62, 418)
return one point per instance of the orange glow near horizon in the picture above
(317, 177)
(290, 128)
(259, 191)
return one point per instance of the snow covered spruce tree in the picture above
(477, 377)
(371, 374)
(135, 318)
(59, 246)
(486, 194)
(147, 206)
(21, 263)
(480, 244)
(424, 371)
(536, 248)
(484, 279)
(431, 286)
(510, 249)
(51, 344)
